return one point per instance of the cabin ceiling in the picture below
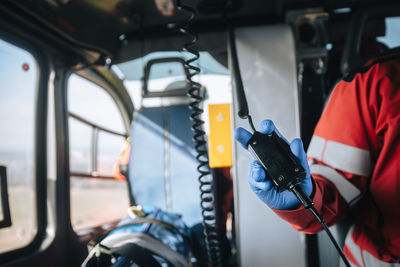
(117, 28)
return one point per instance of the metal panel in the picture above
(267, 61)
(185, 193)
(146, 164)
(163, 166)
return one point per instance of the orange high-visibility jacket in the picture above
(120, 169)
(354, 158)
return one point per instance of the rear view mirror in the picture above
(165, 77)
(5, 218)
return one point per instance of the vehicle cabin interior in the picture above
(119, 114)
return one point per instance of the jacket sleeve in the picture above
(341, 151)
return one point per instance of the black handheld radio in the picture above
(273, 153)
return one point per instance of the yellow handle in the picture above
(219, 139)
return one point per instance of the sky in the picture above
(392, 38)
(18, 91)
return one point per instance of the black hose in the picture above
(308, 204)
(243, 111)
(205, 178)
(328, 232)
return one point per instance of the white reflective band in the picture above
(348, 158)
(340, 156)
(346, 189)
(354, 249)
(316, 147)
(371, 261)
(364, 258)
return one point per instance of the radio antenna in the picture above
(243, 112)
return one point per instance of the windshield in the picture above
(133, 70)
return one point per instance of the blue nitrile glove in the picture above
(263, 187)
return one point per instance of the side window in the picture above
(19, 76)
(96, 137)
(391, 39)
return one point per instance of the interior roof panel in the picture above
(102, 23)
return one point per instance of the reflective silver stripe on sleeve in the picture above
(346, 189)
(363, 257)
(347, 158)
(340, 156)
(354, 249)
(371, 261)
(316, 147)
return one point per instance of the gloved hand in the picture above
(261, 185)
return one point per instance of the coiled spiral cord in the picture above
(205, 178)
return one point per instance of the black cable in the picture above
(328, 232)
(251, 123)
(309, 205)
(205, 179)
(244, 114)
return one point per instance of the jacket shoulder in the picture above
(384, 65)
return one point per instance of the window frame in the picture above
(94, 147)
(53, 56)
(97, 76)
(40, 145)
